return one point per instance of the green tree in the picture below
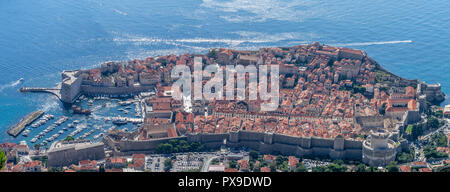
(320, 169)
(101, 168)
(432, 123)
(301, 167)
(54, 169)
(283, 166)
(215, 162)
(439, 139)
(253, 155)
(361, 168)
(280, 159)
(164, 148)
(392, 167)
(167, 164)
(232, 164)
(69, 138)
(2, 159)
(373, 169)
(358, 89)
(175, 146)
(273, 167)
(405, 157)
(431, 153)
(416, 131)
(439, 114)
(333, 167)
(382, 110)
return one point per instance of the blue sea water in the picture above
(39, 39)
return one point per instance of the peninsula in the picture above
(334, 102)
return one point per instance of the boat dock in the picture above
(19, 127)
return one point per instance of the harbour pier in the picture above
(55, 91)
(19, 127)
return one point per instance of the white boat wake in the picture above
(120, 12)
(12, 84)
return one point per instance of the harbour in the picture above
(101, 114)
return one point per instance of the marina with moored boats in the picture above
(88, 118)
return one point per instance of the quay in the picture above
(19, 127)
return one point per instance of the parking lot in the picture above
(155, 163)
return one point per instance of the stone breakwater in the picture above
(15, 130)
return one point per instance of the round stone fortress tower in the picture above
(378, 149)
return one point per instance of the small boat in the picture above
(25, 134)
(119, 121)
(112, 128)
(79, 110)
(98, 136)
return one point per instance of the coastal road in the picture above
(428, 135)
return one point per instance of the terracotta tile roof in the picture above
(419, 164)
(265, 169)
(405, 168)
(138, 156)
(231, 170)
(425, 170)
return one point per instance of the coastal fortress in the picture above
(79, 82)
(74, 84)
(334, 103)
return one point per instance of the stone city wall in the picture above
(264, 142)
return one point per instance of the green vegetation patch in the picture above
(178, 146)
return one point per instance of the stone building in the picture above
(433, 92)
(378, 149)
(67, 153)
(447, 111)
(70, 86)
